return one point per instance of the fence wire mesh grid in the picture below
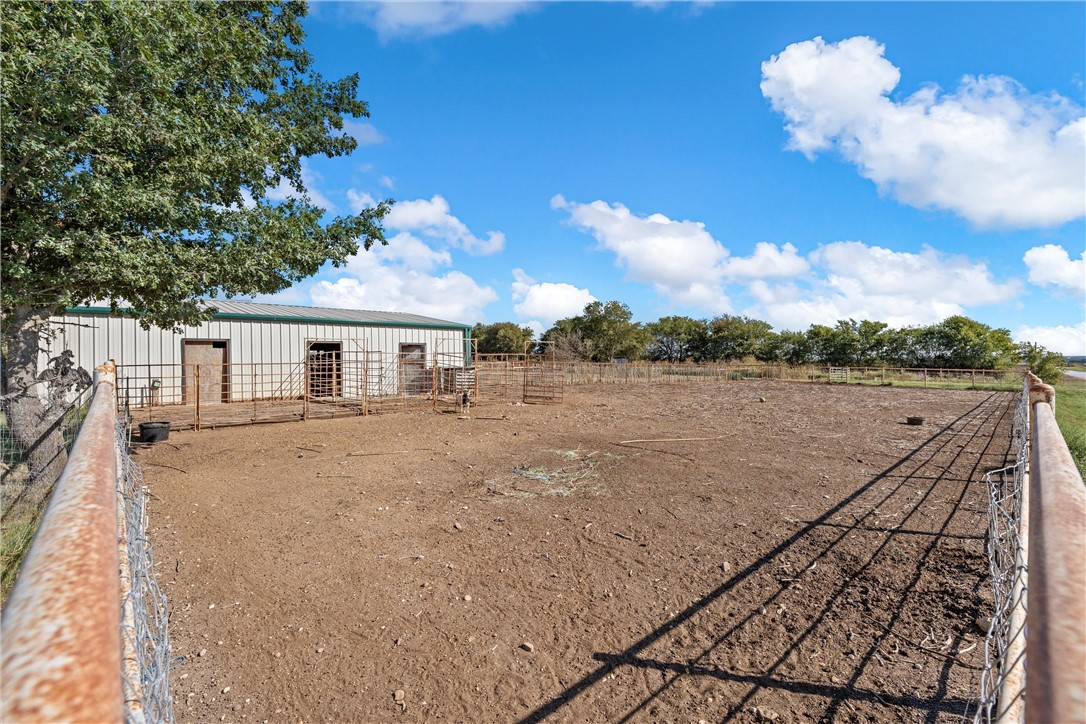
(1002, 684)
(24, 488)
(145, 621)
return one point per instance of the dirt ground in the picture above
(748, 551)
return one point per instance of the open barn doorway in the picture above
(324, 369)
(415, 381)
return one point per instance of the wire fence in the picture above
(1002, 683)
(26, 491)
(145, 617)
(575, 372)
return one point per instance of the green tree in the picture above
(902, 347)
(734, 337)
(140, 143)
(1047, 365)
(501, 338)
(602, 333)
(673, 338)
(872, 340)
(613, 333)
(567, 340)
(824, 346)
(793, 348)
(959, 342)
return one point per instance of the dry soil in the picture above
(748, 551)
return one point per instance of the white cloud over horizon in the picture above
(1051, 265)
(840, 280)
(412, 273)
(767, 261)
(400, 277)
(1065, 339)
(990, 151)
(432, 218)
(680, 259)
(362, 131)
(405, 18)
(546, 302)
(852, 280)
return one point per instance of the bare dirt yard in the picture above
(675, 553)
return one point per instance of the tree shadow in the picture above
(947, 464)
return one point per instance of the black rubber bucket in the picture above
(914, 421)
(154, 431)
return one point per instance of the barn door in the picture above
(324, 369)
(413, 369)
(205, 362)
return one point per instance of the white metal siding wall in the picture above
(96, 338)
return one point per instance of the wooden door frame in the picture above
(403, 367)
(185, 341)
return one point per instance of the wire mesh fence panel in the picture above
(145, 620)
(397, 381)
(542, 381)
(499, 377)
(454, 383)
(26, 490)
(1002, 686)
(581, 372)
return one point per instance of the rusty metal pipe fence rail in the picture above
(1056, 616)
(75, 628)
(1035, 651)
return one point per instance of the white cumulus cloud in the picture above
(547, 302)
(679, 258)
(851, 279)
(365, 133)
(394, 18)
(400, 277)
(432, 218)
(412, 272)
(359, 201)
(990, 151)
(1051, 265)
(1064, 339)
(768, 260)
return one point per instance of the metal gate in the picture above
(542, 381)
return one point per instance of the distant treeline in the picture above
(605, 332)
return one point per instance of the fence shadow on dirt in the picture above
(941, 475)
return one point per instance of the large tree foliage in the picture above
(734, 337)
(501, 338)
(140, 143)
(674, 338)
(1049, 366)
(602, 333)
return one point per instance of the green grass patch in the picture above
(1071, 417)
(14, 543)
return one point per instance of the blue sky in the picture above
(799, 163)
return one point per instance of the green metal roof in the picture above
(229, 309)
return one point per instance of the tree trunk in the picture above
(33, 422)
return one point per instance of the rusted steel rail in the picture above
(1056, 644)
(61, 625)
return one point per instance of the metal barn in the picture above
(260, 362)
